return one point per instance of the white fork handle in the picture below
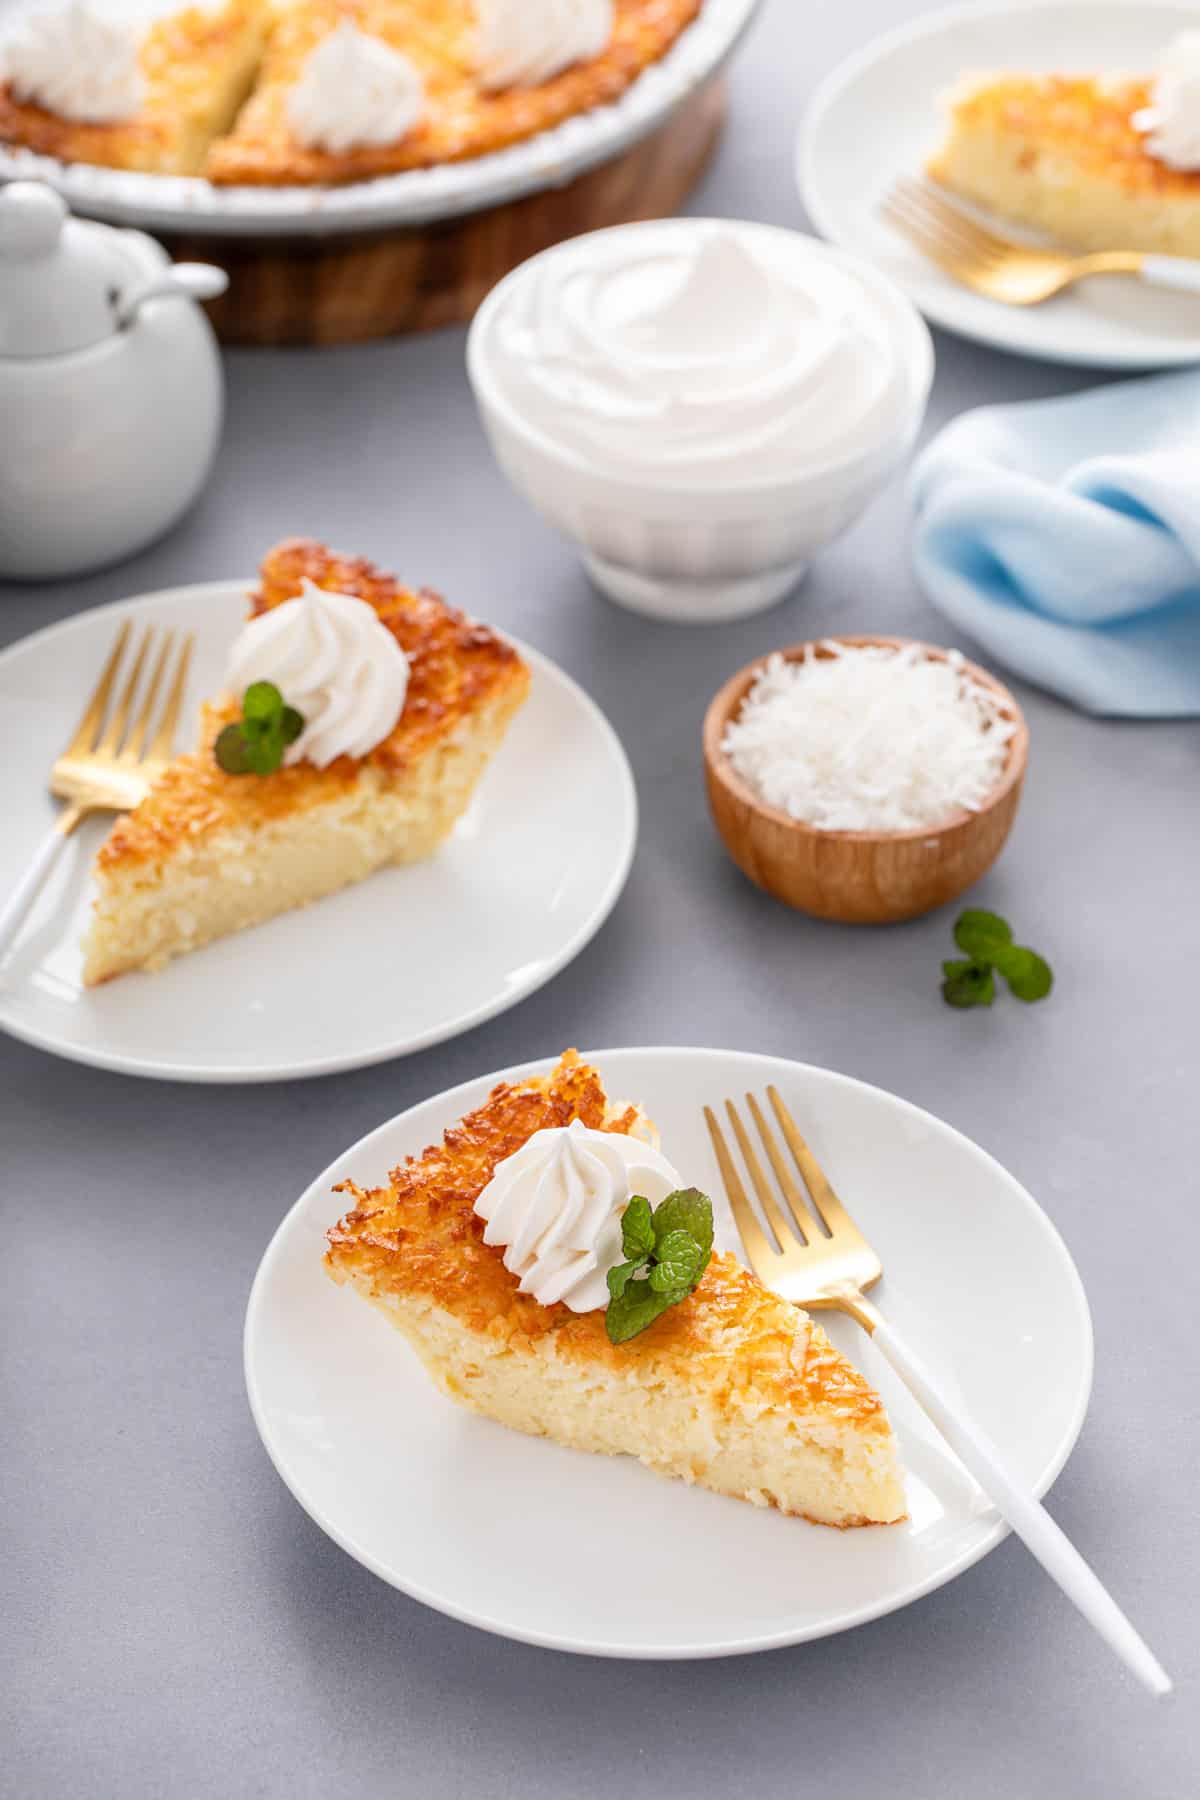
(1172, 272)
(29, 887)
(1027, 1516)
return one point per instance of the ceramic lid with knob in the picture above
(66, 284)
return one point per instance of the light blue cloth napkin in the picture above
(1064, 536)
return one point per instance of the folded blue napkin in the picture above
(1064, 536)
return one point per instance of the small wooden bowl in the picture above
(858, 877)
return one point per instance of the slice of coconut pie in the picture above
(209, 852)
(731, 1387)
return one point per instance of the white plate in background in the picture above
(402, 960)
(531, 1540)
(876, 118)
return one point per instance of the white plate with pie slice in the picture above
(409, 957)
(876, 118)
(533, 1541)
(190, 204)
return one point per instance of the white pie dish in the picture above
(468, 1516)
(188, 203)
(684, 552)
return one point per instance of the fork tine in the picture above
(772, 1212)
(943, 231)
(754, 1238)
(116, 725)
(970, 232)
(140, 726)
(927, 240)
(806, 1221)
(93, 715)
(164, 737)
(825, 1201)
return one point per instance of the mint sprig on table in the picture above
(987, 941)
(666, 1252)
(255, 743)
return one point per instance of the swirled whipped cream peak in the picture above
(353, 90)
(331, 658)
(698, 354)
(76, 62)
(1171, 123)
(556, 1205)
(525, 42)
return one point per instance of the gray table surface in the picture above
(176, 1625)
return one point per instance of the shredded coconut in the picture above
(868, 738)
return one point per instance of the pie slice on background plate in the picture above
(198, 67)
(733, 1388)
(1062, 155)
(208, 853)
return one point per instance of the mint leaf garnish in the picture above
(980, 934)
(254, 744)
(968, 984)
(230, 751)
(687, 1209)
(637, 1228)
(1028, 976)
(619, 1277)
(638, 1307)
(678, 1259)
(987, 940)
(667, 1252)
(262, 703)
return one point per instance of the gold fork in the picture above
(108, 767)
(815, 1255)
(1003, 269)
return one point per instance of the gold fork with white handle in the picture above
(108, 767)
(1003, 269)
(819, 1258)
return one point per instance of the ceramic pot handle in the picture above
(182, 281)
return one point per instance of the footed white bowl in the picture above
(692, 554)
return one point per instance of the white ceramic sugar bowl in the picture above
(110, 387)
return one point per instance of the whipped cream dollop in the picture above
(76, 62)
(524, 42)
(335, 662)
(556, 1206)
(354, 90)
(1171, 124)
(698, 354)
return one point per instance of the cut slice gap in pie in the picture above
(1061, 155)
(209, 853)
(732, 1388)
(198, 66)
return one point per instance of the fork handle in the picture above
(33, 880)
(1026, 1514)
(1172, 272)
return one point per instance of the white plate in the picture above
(188, 203)
(524, 1538)
(403, 960)
(876, 118)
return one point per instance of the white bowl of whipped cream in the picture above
(702, 404)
